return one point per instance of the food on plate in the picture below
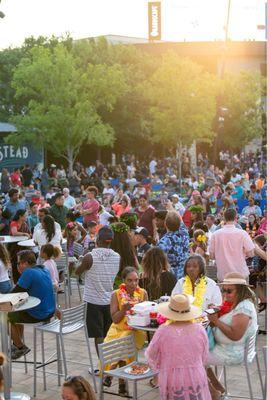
(138, 369)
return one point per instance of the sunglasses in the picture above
(73, 378)
(228, 291)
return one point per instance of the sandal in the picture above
(262, 307)
(153, 384)
(107, 381)
(122, 389)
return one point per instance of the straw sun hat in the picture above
(179, 308)
(234, 278)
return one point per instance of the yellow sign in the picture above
(154, 21)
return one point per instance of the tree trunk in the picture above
(99, 153)
(70, 155)
(179, 157)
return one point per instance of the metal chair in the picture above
(72, 320)
(264, 349)
(63, 267)
(115, 351)
(250, 354)
(78, 249)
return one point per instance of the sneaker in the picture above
(95, 372)
(17, 353)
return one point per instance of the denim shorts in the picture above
(5, 287)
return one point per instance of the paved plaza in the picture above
(76, 352)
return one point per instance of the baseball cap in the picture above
(140, 230)
(105, 234)
(175, 196)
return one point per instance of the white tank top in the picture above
(99, 279)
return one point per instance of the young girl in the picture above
(90, 239)
(199, 243)
(48, 253)
(71, 233)
(5, 264)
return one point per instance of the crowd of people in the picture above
(145, 235)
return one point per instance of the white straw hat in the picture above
(234, 278)
(179, 308)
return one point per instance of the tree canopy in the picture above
(62, 100)
(182, 102)
(240, 96)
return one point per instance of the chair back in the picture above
(64, 246)
(250, 348)
(62, 262)
(211, 271)
(73, 316)
(117, 350)
(78, 249)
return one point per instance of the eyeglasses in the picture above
(228, 291)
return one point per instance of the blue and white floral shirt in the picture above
(176, 246)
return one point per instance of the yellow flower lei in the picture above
(199, 290)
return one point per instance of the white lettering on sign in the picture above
(155, 21)
(8, 151)
(25, 152)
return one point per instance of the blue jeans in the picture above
(5, 287)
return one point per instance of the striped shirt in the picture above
(99, 279)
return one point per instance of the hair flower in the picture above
(202, 238)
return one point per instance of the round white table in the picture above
(12, 239)
(31, 243)
(5, 342)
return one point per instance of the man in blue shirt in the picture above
(37, 282)
(175, 243)
(14, 204)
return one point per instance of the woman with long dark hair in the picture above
(50, 232)
(156, 277)
(122, 244)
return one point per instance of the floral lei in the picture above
(124, 294)
(199, 290)
(126, 298)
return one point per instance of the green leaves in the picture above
(65, 97)
(240, 95)
(182, 101)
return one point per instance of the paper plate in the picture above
(128, 370)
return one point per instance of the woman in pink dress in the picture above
(178, 352)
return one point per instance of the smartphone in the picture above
(211, 311)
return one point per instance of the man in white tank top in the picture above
(100, 267)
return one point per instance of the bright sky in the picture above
(181, 19)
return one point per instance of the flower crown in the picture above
(196, 209)
(119, 227)
(127, 217)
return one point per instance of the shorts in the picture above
(98, 320)
(22, 317)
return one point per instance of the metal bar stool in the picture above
(250, 354)
(72, 320)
